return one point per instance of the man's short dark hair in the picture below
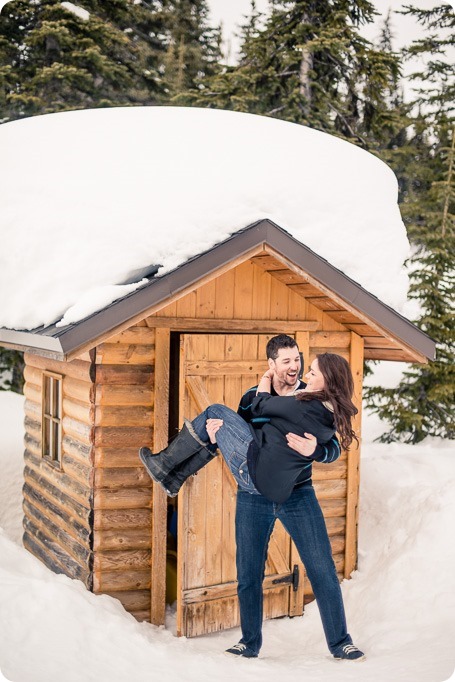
(276, 342)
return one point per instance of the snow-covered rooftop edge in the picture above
(91, 197)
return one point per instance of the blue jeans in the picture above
(300, 515)
(233, 440)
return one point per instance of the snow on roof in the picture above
(91, 197)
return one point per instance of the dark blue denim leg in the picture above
(302, 517)
(254, 523)
(233, 440)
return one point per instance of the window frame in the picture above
(52, 386)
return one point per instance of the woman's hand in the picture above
(304, 446)
(266, 382)
(212, 426)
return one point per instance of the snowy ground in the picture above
(400, 603)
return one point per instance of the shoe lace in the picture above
(239, 647)
(349, 648)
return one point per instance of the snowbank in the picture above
(90, 197)
(400, 603)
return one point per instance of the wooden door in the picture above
(219, 368)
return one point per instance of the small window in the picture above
(52, 418)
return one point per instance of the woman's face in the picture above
(314, 379)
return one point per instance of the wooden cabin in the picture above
(127, 375)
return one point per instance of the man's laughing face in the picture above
(286, 366)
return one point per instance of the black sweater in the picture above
(273, 465)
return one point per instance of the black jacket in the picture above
(273, 465)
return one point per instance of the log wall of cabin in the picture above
(58, 501)
(122, 488)
(248, 292)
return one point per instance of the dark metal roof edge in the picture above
(352, 292)
(67, 340)
(22, 339)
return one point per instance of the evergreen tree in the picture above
(193, 46)
(309, 64)
(55, 57)
(11, 370)
(423, 403)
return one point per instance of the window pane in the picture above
(55, 441)
(55, 397)
(47, 438)
(47, 394)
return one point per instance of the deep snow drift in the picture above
(400, 603)
(89, 198)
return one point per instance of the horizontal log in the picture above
(123, 560)
(142, 616)
(57, 478)
(330, 489)
(333, 507)
(134, 415)
(78, 430)
(79, 471)
(338, 543)
(122, 478)
(125, 354)
(195, 324)
(33, 410)
(219, 367)
(83, 452)
(51, 492)
(123, 395)
(56, 562)
(33, 392)
(33, 428)
(117, 457)
(84, 391)
(335, 470)
(330, 339)
(117, 437)
(134, 600)
(34, 377)
(130, 498)
(77, 369)
(335, 525)
(139, 334)
(59, 552)
(81, 412)
(113, 581)
(57, 515)
(43, 522)
(136, 520)
(121, 539)
(121, 375)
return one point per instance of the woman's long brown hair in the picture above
(338, 390)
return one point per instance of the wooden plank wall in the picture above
(122, 488)
(58, 501)
(250, 292)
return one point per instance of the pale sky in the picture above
(231, 12)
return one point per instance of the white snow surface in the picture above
(89, 197)
(400, 603)
(78, 11)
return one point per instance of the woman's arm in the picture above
(265, 385)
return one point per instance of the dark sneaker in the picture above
(241, 650)
(349, 652)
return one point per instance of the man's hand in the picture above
(304, 446)
(212, 426)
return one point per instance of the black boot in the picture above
(185, 445)
(177, 477)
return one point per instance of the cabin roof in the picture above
(350, 303)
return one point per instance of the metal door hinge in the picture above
(292, 578)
